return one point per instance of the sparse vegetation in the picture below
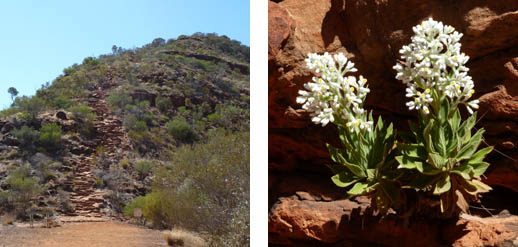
(169, 105)
(179, 237)
(204, 188)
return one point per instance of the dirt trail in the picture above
(88, 200)
(94, 234)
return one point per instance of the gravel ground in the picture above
(93, 234)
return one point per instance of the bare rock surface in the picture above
(301, 221)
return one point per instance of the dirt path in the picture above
(94, 234)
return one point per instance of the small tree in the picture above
(13, 92)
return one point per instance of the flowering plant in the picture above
(441, 151)
(439, 157)
(366, 161)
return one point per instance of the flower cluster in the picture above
(334, 97)
(433, 62)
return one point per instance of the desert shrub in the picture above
(70, 70)
(144, 167)
(230, 117)
(181, 130)
(62, 102)
(50, 136)
(205, 188)
(179, 237)
(26, 135)
(137, 202)
(85, 116)
(83, 112)
(163, 104)
(91, 61)
(119, 98)
(132, 123)
(31, 106)
(22, 190)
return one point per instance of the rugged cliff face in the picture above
(370, 33)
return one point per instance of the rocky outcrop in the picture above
(370, 33)
(301, 220)
(244, 69)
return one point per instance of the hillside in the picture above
(119, 127)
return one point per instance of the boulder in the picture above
(301, 221)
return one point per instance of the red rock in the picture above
(295, 221)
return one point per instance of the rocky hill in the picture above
(88, 143)
(370, 33)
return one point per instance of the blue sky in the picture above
(41, 38)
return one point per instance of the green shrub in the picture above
(22, 190)
(62, 102)
(205, 188)
(119, 98)
(138, 202)
(50, 137)
(181, 130)
(132, 123)
(91, 61)
(32, 106)
(83, 112)
(163, 104)
(26, 135)
(144, 167)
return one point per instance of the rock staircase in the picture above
(88, 200)
(109, 128)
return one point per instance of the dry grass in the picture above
(7, 219)
(179, 237)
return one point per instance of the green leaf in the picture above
(465, 128)
(437, 160)
(358, 189)
(407, 162)
(455, 121)
(413, 150)
(443, 185)
(344, 179)
(471, 146)
(428, 137)
(465, 171)
(371, 174)
(427, 169)
(337, 157)
(480, 155)
(479, 168)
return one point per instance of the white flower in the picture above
(472, 104)
(433, 61)
(334, 95)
